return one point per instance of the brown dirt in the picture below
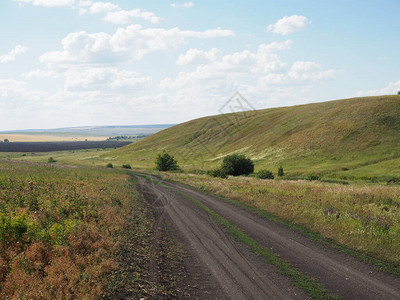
(218, 267)
(344, 275)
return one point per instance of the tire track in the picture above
(341, 273)
(239, 274)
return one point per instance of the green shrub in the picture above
(280, 171)
(110, 165)
(166, 162)
(51, 160)
(237, 164)
(127, 166)
(217, 172)
(265, 174)
(313, 177)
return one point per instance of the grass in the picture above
(322, 138)
(362, 218)
(42, 137)
(308, 284)
(64, 229)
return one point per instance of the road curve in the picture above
(344, 275)
(239, 274)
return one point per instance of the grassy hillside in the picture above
(360, 134)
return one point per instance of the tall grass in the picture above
(59, 230)
(363, 217)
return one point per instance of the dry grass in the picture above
(60, 229)
(362, 217)
(49, 138)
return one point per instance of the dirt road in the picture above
(242, 275)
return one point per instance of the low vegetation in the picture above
(362, 217)
(58, 146)
(265, 174)
(63, 231)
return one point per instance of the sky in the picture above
(67, 63)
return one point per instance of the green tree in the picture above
(166, 162)
(237, 164)
(280, 171)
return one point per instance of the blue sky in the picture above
(80, 62)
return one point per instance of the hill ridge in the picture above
(323, 137)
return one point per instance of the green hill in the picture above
(352, 138)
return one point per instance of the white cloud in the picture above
(260, 74)
(391, 88)
(117, 15)
(79, 79)
(132, 42)
(18, 92)
(288, 25)
(10, 56)
(40, 74)
(126, 16)
(48, 3)
(103, 7)
(184, 5)
(195, 56)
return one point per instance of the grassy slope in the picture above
(361, 134)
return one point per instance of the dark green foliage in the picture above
(313, 177)
(265, 174)
(217, 172)
(110, 165)
(51, 160)
(237, 164)
(166, 162)
(398, 93)
(280, 172)
(127, 166)
(6, 141)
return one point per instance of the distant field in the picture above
(58, 146)
(49, 138)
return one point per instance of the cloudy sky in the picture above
(81, 62)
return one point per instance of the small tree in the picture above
(166, 162)
(280, 171)
(398, 93)
(6, 141)
(51, 160)
(127, 166)
(237, 164)
(265, 174)
(110, 165)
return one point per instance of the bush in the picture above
(127, 166)
(166, 162)
(265, 174)
(110, 165)
(237, 164)
(280, 171)
(217, 172)
(313, 177)
(51, 160)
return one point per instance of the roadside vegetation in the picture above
(65, 231)
(362, 217)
